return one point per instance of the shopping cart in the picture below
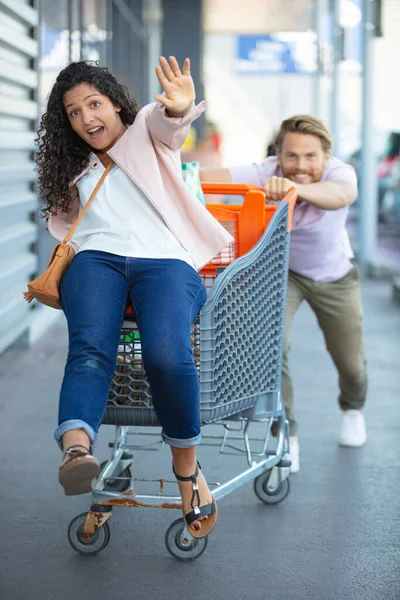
(237, 343)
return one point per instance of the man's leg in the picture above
(337, 306)
(296, 292)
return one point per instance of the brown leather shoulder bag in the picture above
(45, 288)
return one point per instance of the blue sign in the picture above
(276, 54)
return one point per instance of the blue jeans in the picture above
(166, 294)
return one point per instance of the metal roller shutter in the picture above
(18, 201)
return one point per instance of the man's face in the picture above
(302, 158)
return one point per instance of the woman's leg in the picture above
(167, 295)
(93, 296)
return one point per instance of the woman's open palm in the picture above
(178, 86)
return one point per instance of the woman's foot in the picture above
(199, 507)
(77, 471)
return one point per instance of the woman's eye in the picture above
(96, 103)
(74, 113)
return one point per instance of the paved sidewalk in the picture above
(336, 536)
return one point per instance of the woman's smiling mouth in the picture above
(95, 132)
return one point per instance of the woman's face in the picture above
(93, 116)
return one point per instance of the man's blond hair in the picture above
(307, 125)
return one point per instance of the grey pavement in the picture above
(335, 537)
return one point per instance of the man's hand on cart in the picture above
(276, 188)
(178, 86)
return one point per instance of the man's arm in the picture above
(327, 195)
(215, 176)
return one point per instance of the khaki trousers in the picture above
(337, 306)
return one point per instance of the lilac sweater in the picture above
(319, 246)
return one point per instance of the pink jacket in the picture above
(149, 153)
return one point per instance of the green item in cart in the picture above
(191, 176)
(131, 336)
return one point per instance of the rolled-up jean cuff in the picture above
(194, 441)
(74, 424)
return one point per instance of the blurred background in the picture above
(255, 63)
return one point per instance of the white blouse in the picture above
(121, 219)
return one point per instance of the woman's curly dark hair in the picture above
(62, 153)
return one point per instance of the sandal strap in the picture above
(195, 500)
(192, 478)
(197, 513)
(71, 450)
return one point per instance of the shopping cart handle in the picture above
(230, 189)
(241, 189)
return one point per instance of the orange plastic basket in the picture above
(245, 222)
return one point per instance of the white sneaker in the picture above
(352, 430)
(293, 454)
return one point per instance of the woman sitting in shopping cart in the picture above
(142, 239)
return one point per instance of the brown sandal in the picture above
(78, 470)
(210, 510)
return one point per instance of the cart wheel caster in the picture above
(181, 545)
(118, 485)
(266, 493)
(95, 545)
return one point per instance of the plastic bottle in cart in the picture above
(132, 337)
(191, 176)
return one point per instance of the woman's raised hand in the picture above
(178, 86)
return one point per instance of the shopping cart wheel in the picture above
(181, 545)
(118, 485)
(268, 494)
(95, 545)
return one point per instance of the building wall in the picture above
(18, 200)
(182, 36)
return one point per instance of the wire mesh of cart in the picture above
(237, 344)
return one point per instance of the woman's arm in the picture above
(179, 93)
(169, 120)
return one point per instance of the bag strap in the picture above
(88, 203)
